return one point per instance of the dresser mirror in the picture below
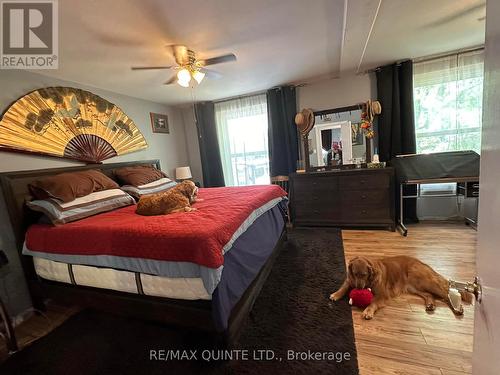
(335, 140)
(330, 144)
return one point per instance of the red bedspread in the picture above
(196, 237)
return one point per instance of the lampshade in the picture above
(183, 83)
(183, 173)
(184, 75)
(198, 76)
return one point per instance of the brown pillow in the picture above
(69, 186)
(139, 175)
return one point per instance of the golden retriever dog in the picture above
(392, 276)
(177, 199)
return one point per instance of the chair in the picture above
(281, 181)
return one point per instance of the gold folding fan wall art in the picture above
(69, 123)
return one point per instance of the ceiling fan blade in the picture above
(458, 15)
(171, 80)
(218, 60)
(150, 67)
(181, 54)
(212, 74)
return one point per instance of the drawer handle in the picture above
(363, 196)
(475, 186)
(364, 212)
(475, 193)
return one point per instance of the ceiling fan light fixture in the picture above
(198, 76)
(183, 83)
(184, 75)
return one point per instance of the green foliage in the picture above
(448, 116)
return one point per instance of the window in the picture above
(448, 96)
(242, 134)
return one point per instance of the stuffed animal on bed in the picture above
(177, 199)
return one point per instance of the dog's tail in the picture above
(466, 296)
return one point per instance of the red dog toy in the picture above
(360, 297)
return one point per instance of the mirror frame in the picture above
(315, 134)
(305, 143)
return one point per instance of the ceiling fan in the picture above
(188, 66)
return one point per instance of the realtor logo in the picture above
(29, 34)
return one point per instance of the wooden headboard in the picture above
(16, 192)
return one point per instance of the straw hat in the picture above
(373, 108)
(305, 120)
(376, 107)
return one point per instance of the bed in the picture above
(202, 270)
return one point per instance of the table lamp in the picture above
(183, 173)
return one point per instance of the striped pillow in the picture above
(80, 208)
(163, 184)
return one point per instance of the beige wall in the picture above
(169, 148)
(320, 95)
(192, 144)
(339, 92)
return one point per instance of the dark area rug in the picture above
(293, 328)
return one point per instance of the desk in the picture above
(460, 167)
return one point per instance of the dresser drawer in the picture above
(319, 185)
(365, 182)
(365, 215)
(360, 198)
(363, 198)
(317, 209)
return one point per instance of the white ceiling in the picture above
(275, 41)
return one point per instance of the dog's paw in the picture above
(335, 296)
(430, 307)
(368, 314)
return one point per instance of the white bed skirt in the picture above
(123, 281)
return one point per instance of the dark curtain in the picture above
(396, 123)
(209, 145)
(283, 139)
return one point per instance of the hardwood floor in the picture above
(38, 325)
(403, 338)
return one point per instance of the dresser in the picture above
(350, 198)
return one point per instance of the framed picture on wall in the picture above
(159, 123)
(357, 134)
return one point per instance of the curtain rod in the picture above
(254, 93)
(240, 96)
(431, 57)
(448, 54)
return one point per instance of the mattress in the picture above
(122, 281)
(214, 253)
(242, 263)
(180, 245)
(125, 240)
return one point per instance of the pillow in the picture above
(138, 175)
(92, 204)
(68, 186)
(163, 184)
